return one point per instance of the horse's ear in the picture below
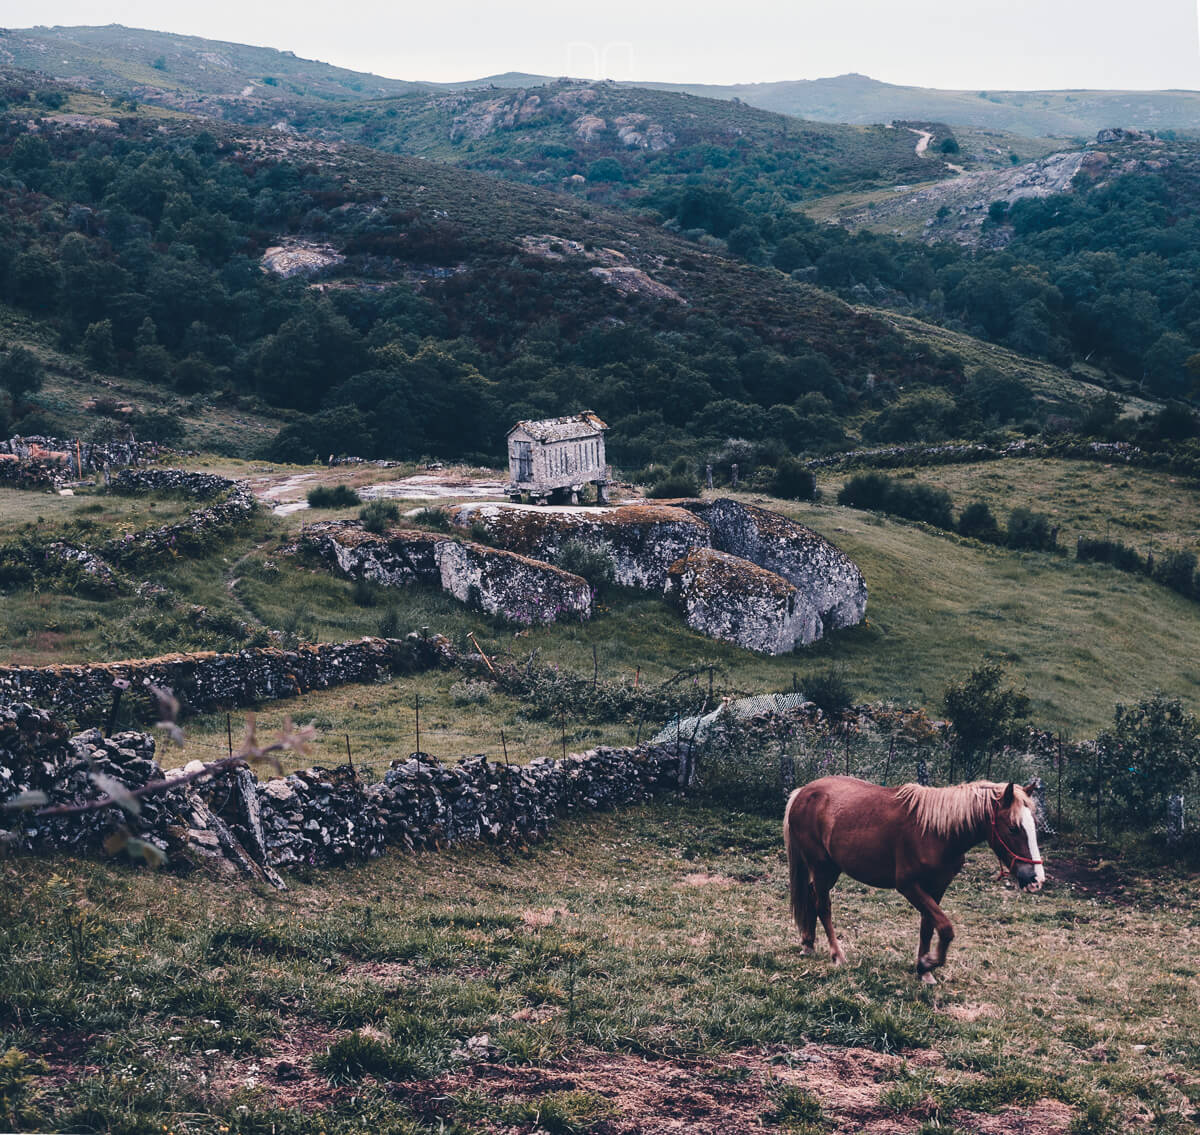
(1008, 797)
(1031, 789)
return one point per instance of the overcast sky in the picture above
(965, 44)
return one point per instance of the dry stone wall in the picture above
(205, 681)
(92, 455)
(317, 817)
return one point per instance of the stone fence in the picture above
(84, 693)
(317, 817)
(75, 455)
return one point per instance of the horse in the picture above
(913, 839)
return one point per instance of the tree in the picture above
(606, 169)
(1151, 751)
(98, 345)
(983, 713)
(21, 372)
(978, 523)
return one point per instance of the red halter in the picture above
(1015, 857)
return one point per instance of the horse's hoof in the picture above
(839, 959)
(807, 951)
(928, 979)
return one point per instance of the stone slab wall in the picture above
(205, 681)
(316, 817)
(93, 455)
(729, 598)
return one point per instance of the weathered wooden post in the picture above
(922, 772)
(708, 476)
(734, 471)
(1175, 823)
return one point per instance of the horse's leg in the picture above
(823, 884)
(808, 918)
(935, 917)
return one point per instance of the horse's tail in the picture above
(798, 874)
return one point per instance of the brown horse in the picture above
(912, 838)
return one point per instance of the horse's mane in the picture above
(950, 811)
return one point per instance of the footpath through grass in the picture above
(647, 947)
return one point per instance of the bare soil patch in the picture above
(711, 1097)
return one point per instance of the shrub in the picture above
(363, 593)
(829, 692)
(389, 625)
(913, 501)
(1178, 572)
(978, 523)
(1033, 530)
(793, 481)
(433, 518)
(379, 515)
(674, 486)
(469, 691)
(333, 496)
(1151, 751)
(593, 564)
(983, 713)
(1120, 556)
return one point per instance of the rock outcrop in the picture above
(829, 582)
(641, 540)
(729, 598)
(500, 582)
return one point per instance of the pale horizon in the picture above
(1021, 45)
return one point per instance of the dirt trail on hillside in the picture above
(923, 141)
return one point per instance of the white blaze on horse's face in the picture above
(1030, 829)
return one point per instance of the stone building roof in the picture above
(574, 426)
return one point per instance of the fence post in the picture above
(1099, 789)
(922, 772)
(1174, 819)
(787, 772)
(1040, 815)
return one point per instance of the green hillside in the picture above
(1036, 114)
(186, 72)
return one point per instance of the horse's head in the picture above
(1013, 837)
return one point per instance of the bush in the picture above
(433, 518)
(674, 486)
(592, 564)
(978, 523)
(1032, 530)
(793, 481)
(333, 496)
(829, 692)
(379, 515)
(983, 713)
(1151, 752)
(1120, 556)
(1178, 572)
(913, 501)
(469, 691)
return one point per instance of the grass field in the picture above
(1150, 511)
(636, 972)
(1079, 637)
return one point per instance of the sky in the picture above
(960, 44)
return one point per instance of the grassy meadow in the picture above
(635, 972)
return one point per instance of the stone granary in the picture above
(557, 456)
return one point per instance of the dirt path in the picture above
(923, 141)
